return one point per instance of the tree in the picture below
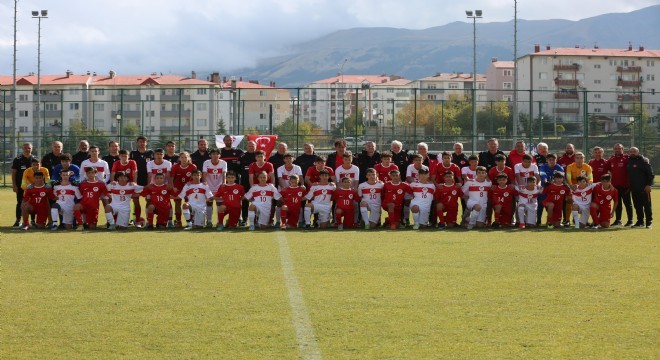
(306, 131)
(221, 127)
(348, 126)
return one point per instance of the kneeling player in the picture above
(66, 195)
(87, 210)
(291, 202)
(556, 194)
(603, 196)
(122, 193)
(345, 197)
(36, 202)
(582, 202)
(231, 198)
(447, 196)
(502, 199)
(160, 205)
(476, 192)
(394, 194)
(423, 192)
(261, 195)
(370, 192)
(196, 195)
(528, 203)
(320, 195)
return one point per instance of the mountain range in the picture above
(415, 54)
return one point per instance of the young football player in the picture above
(502, 199)
(438, 175)
(345, 197)
(122, 192)
(91, 190)
(578, 168)
(126, 165)
(475, 191)
(423, 192)
(385, 166)
(604, 195)
(160, 205)
(371, 194)
(285, 172)
(582, 195)
(66, 195)
(28, 175)
(158, 166)
(230, 195)
(394, 193)
(261, 195)
(36, 202)
(556, 194)
(180, 175)
(101, 166)
(501, 168)
(213, 175)
(470, 172)
(261, 165)
(291, 202)
(313, 173)
(526, 169)
(196, 195)
(320, 196)
(347, 169)
(527, 203)
(412, 172)
(447, 196)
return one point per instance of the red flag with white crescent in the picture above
(265, 143)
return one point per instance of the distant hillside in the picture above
(418, 53)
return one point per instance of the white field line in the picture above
(307, 342)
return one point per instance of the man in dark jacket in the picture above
(399, 156)
(335, 159)
(487, 158)
(458, 158)
(246, 159)
(277, 159)
(202, 154)
(307, 158)
(367, 159)
(641, 177)
(82, 154)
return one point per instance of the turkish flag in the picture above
(265, 143)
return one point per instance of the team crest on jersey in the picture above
(481, 188)
(195, 190)
(215, 171)
(425, 190)
(506, 194)
(262, 192)
(399, 191)
(95, 189)
(300, 193)
(372, 190)
(62, 192)
(562, 192)
(453, 192)
(529, 196)
(324, 191)
(235, 191)
(42, 194)
(583, 172)
(164, 192)
(122, 192)
(350, 196)
(608, 197)
(128, 171)
(188, 174)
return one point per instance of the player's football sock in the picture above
(186, 215)
(177, 216)
(150, 217)
(110, 218)
(308, 216)
(55, 214)
(576, 217)
(365, 214)
(78, 216)
(441, 216)
(415, 216)
(474, 214)
(406, 213)
(594, 214)
(209, 214)
(278, 214)
(221, 217)
(391, 215)
(521, 214)
(138, 213)
(251, 216)
(283, 215)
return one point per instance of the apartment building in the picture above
(250, 105)
(612, 80)
(442, 86)
(500, 80)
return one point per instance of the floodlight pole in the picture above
(474, 16)
(43, 14)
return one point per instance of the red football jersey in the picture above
(255, 169)
(604, 197)
(449, 195)
(598, 168)
(502, 196)
(130, 169)
(38, 197)
(231, 195)
(182, 175)
(344, 198)
(92, 192)
(314, 174)
(556, 193)
(293, 196)
(160, 195)
(618, 166)
(384, 172)
(439, 172)
(394, 193)
(493, 172)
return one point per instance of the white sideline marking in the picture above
(307, 342)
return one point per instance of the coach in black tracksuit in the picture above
(641, 177)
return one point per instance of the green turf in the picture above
(369, 294)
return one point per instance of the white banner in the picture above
(235, 140)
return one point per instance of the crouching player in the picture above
(230, 196)
(66, 195)
(196, 195)
(261, 195)
(557, 193)
(291, 201)
(160, 205)
(603, 196)
(423, 192)
(476, 192)
(320, 196)
(344, 198)
(582, 195)
(447, 196)
(502, 197)
(36, 202)
(528, 203)
(370, 192)
(87, 210)
(122, 193)
(394, 194)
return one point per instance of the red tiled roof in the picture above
(137, 80)
(453, 77)
(354, 79)
(397, 82)
(53, 80)
(503, 64)
(245, 85)
(599, 52)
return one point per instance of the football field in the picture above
(357, 294)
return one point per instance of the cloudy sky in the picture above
(175, 36)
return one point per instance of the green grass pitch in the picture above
(328, 294)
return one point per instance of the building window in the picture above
(453, 85)
(23, 113)
(201, 106)
(597, 110)
(150, 113)
(99, 123)
(201, 122)
(507, 98)
(507, 85)
(99, 107)
(650, 77)
(262, 104)
(201, 91)
(22, 97)
(430, 86)
(262, 92)
(51, 107)
(74, 106)
(431, 97)
(74, 91)
(650, 63)
(508, 72)
(596, 96)
(151, 98)
(99, 92)
(481, 86)
(596, 81)
(543, 76)
(596, 66)
(262, 116)
(22, 129)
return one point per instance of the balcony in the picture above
(564, 82)
(49, 98)
(629, 83)
(174, 128)
(572, 67)
(126, 98)
(127, 114)
(567, 110)
(629, 69)
(566, 95)
(628, 97)
(623, 110)
(174, 97)
(174, 113)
